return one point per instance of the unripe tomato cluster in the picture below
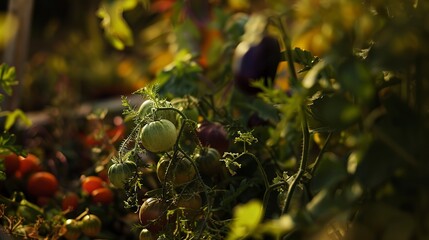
(186, 155)
(90, 226)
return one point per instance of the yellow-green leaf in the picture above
(246, 220)
(116, 28)
(12, 117)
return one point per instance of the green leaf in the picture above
(12, 117)
(245, 220)
(330, 171)
(7, 78)
(278, 227)
(116, 28)
(332, 112)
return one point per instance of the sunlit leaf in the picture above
(245, 220)
(14, 116)
(279, 226)
(116, 28)
(7, 78)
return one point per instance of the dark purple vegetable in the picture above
(255, 61)
(213, 134)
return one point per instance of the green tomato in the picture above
(73, 230)
(159, 136)
(207, 160)
(119, 173)
(91, 225)
(145, 235)
(148, 107)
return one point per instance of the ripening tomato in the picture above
(190, 204)
(180, 171)
(102, 195)
(159, 136)
(29, 164)
(91, 183)
(72, 228)
(213, 134)
(42, 184)
(91, 225)
(152, 214)
(11, 163)
(207, 160)
(70, 201)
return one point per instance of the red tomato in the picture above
(42, 184)
(70, 201)
(102, 195)
(91, 183)
(11, 163)
(29, 164)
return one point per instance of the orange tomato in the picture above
(29, 164)
(42, 184)
(70, 201)
(11, 163)
(91, 183)
(102, 195)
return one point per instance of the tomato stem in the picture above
(319, 156)
(303, 161)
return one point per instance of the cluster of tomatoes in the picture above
(187, 157)
(35, 192)
(39, 184)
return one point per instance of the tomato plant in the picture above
(247, 120)
(42, 184)
(159, 136)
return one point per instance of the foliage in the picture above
(334, 147)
